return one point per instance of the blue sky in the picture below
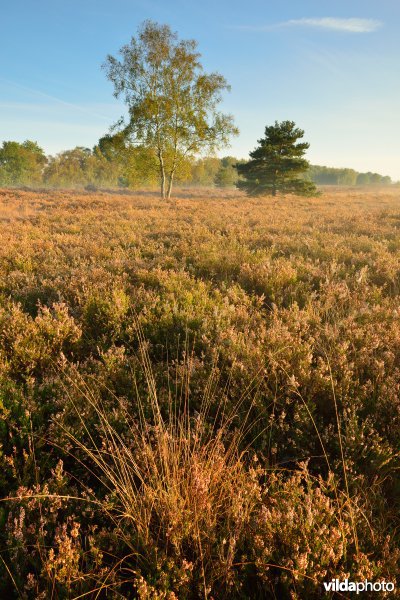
(332, 67)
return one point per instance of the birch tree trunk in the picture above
(170, 181)
(162, 175)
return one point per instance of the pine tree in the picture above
(277, 164)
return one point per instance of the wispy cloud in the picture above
(351, 25)
(54, 99)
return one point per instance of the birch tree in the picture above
(172, 104)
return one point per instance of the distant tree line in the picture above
(111, 163)
(335, 176)
(22, 163)
(115, 163)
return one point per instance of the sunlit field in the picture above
(198, 399)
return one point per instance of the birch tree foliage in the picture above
(172, 104)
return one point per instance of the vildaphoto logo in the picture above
(358, 586)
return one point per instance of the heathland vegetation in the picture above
(198, 401)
